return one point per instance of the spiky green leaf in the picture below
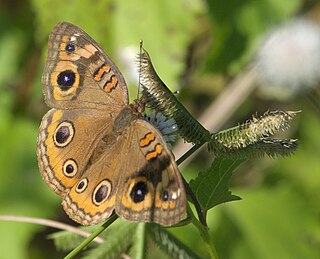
(251, 138)
(159, 97)
(169, 243)
(117, 241)
(65, 240)
(266, 146)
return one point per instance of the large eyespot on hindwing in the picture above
(82, 185)
(101, 192)
(70, 168)
(65, 80)
(139, 191)
(138, 195)
(63, 134)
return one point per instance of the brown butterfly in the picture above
(94, 149)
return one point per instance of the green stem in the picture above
(201, 226)
(141, 241)
(204, 234)
(87, 241)
(188, 153)
(187, 187)
(195, 202)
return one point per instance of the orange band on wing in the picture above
(100, 72)
(153, 154)
(148, 138)
(111, 84)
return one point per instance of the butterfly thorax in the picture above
(129, 114)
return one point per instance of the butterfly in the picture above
(94, 148)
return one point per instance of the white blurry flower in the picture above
(128, 59)
(289, 57)
(167, 127)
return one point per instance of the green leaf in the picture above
(118, 240)
(66, 241)
(160, 98)
(251, 132)
(169, 243)
(138, 249)
(211, 186)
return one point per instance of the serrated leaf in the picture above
(211, 187)
(65, 240)
(169, 243)
(117, 241)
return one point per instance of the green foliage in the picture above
(170, 244)
(252, 138)
(270, 223)
(118, 240)
(211, 187)
(246, 140)
(139, 240)
(160, 98)
(65, 240)
(237, 27)
(207, 42)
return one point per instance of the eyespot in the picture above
(82, 185)
(70, 168)
(102, 192)
(63, 134)
(70, 47)
(66, 79)
(164, 195)
(138, 192)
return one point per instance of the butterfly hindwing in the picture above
(151, 187)
(66, 142)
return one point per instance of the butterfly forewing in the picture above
(79, 74)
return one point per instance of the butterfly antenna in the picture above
(140, 69)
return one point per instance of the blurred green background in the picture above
(197, 47)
